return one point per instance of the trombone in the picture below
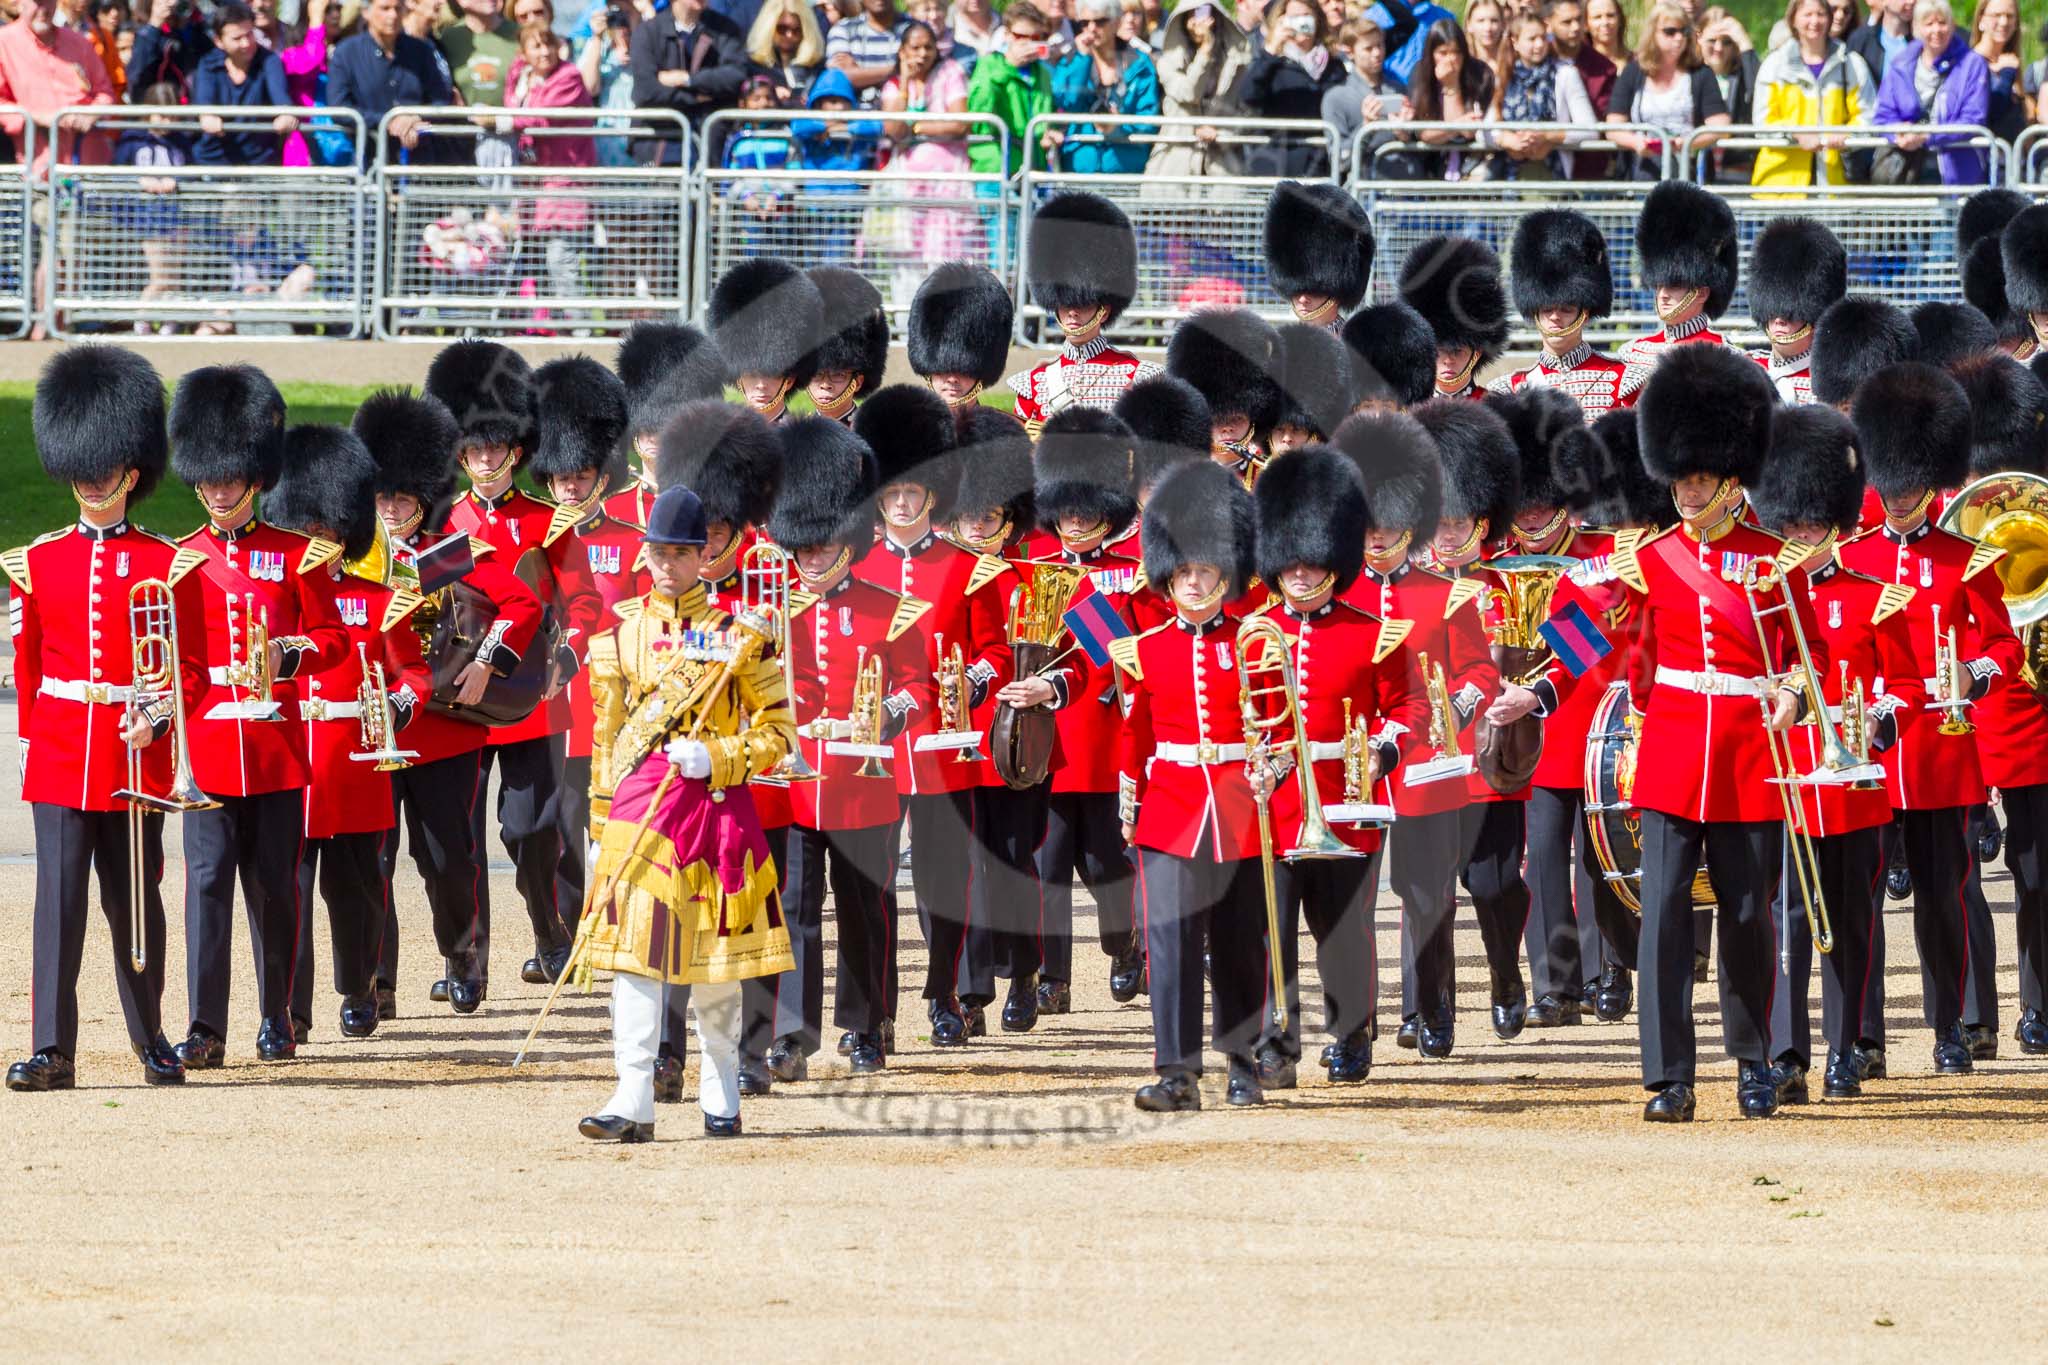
(1838, 765)
(157, 678)
(1264, 657)
(764, 591)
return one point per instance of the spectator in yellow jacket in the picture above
(1810, 81)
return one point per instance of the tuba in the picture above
(157, 680)
(1022, 740)
(2010, 511)
(374, 720)
(1507, 754)
(764, 593)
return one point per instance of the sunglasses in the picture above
(1092, 23)
(1671, 32)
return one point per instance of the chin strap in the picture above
(1577, 325)
(1463, 379)
(773, 405)
(234, 514)
(840, 403)
(1541, 536)
(1673, 314)
(1085, 332)
(1086, 540)
(121, 490)
(966, 400)
(1718, 509)
(1206, 604)
(1322, 585)
(1399, 554)
(1320, 316)
(837, 567)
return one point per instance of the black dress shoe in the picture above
(1614, 995)
(754, 1078)
(1434, 1039)
(1982, 1040)
(1989, 842)
(1673, 1104)
(1329, 1051)
(1174, 1094)
(1952, 1053)
(274, 1041)
(1351, 1060)
(1898, 882)
(201, 1051)
(1406, 1034)
(846, 1042)
(867, 1056)
(1244, 1089)
(2031, 1033)
(949, 1027)
(530, 972)
(787, 1062)
(465, 993)
(160, 1064)
(1792, 1087)
(1700, 968)
(1844, 1077)
(554, 961)
(438, 992)
(1276, 1070)
(387, 1003)
(1020, 1007)
(977, 1020)
(1556, 1011)
(715, 1126)
(1124, 972)
(668, 1078)
(1055, 997)
(302, 1029)
(1870, 1062)
(47, 1070)
(1756, 1089)
(358, 1016)
(612, 1128)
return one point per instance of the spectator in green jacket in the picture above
(1014, 83)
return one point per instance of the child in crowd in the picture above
(835, 143)
(1370, 94)
(152, 216)
(763, 146)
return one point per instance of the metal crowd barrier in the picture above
(1900, 238)
(17, 204)
(2030, 158)
(1201, 238)
(509, 222)
(892, 222)
(224, 249)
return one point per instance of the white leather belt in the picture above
(1325, 751)
(94, 693)
(1710, 684)
(315, 708)
(1198, 755)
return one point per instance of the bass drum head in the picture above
(1612, 822)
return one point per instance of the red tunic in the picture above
(1868, 642)
(345, 796)
(274, 575)
(1591, 586)
(1479, 790)
(1641, 354)
(1950, 579)
(1087, 718)
(516, 523)
(1793, 379)
(1092, 375)
(432, 734)
(612, 550)
(1182, 756)
(1598, 383)
(73, 660)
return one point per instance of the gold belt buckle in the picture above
(315, 708)
(99, 693)
(1207, 753)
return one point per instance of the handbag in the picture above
(1895, 165)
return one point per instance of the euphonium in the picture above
(1021, 741)
(374, 721)
(1507, 754)
(2009, 511)
(157, 679)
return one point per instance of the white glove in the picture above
(690, 756)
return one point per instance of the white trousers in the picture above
(636, 1038)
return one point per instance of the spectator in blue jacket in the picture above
(1937, 78)
(1103, 75)
(834, 142)
(170, 42)
(240, 71)
(1406, 24)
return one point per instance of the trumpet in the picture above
(1443, 731)
(249, 666)
(1358, 774)
(157, 680)
(1951, 695)
(376, 723)
(764, 591)
(864, 719)
(955, 712)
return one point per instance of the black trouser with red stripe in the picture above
(1422, 865)
(1851, 870)
(1939, 856)
(434, 800)
(529, 824)
(1337, 896)
(1084, 834)
(1576, 922)
(253, 840)
(1492, 875)
(1012, 825)
(856, 865)
(944, 834)
(1187, 903)
(574, 805)
(69, 844)
(350, 871)
(2026, 857)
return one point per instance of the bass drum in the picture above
(1612, 821)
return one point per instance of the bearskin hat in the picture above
(1984, 289)
(1310, 506)
(1914, 421)
(828, 487)
(727, 455)
(488, 387)
(227, 424)
(1951, 332)
(1561, 463)
(1797, 268)
(856, 327)
(1706, 410)
(1083, 467)
(1983, 217)
(2008, 415)
(912, 432)
(1628, 496)
(1559, 260)
(960, 323)
(1482, 471)
(2024, 247)
(99, 410)
(1398, 463)
(1082, 253)
(766, 315)
(1199, 514)
(330, 478)
(995, 467)
(665, 365)
(1232, 356)
(1170, 419)
(583, 419)
(1853, 340)
(1393, 354)
(1317, 384)
(1454, 282)
(413, 441)
(1318, 241)
(1815, 473)
(1685, 238)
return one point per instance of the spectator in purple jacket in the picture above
(1937, 78)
